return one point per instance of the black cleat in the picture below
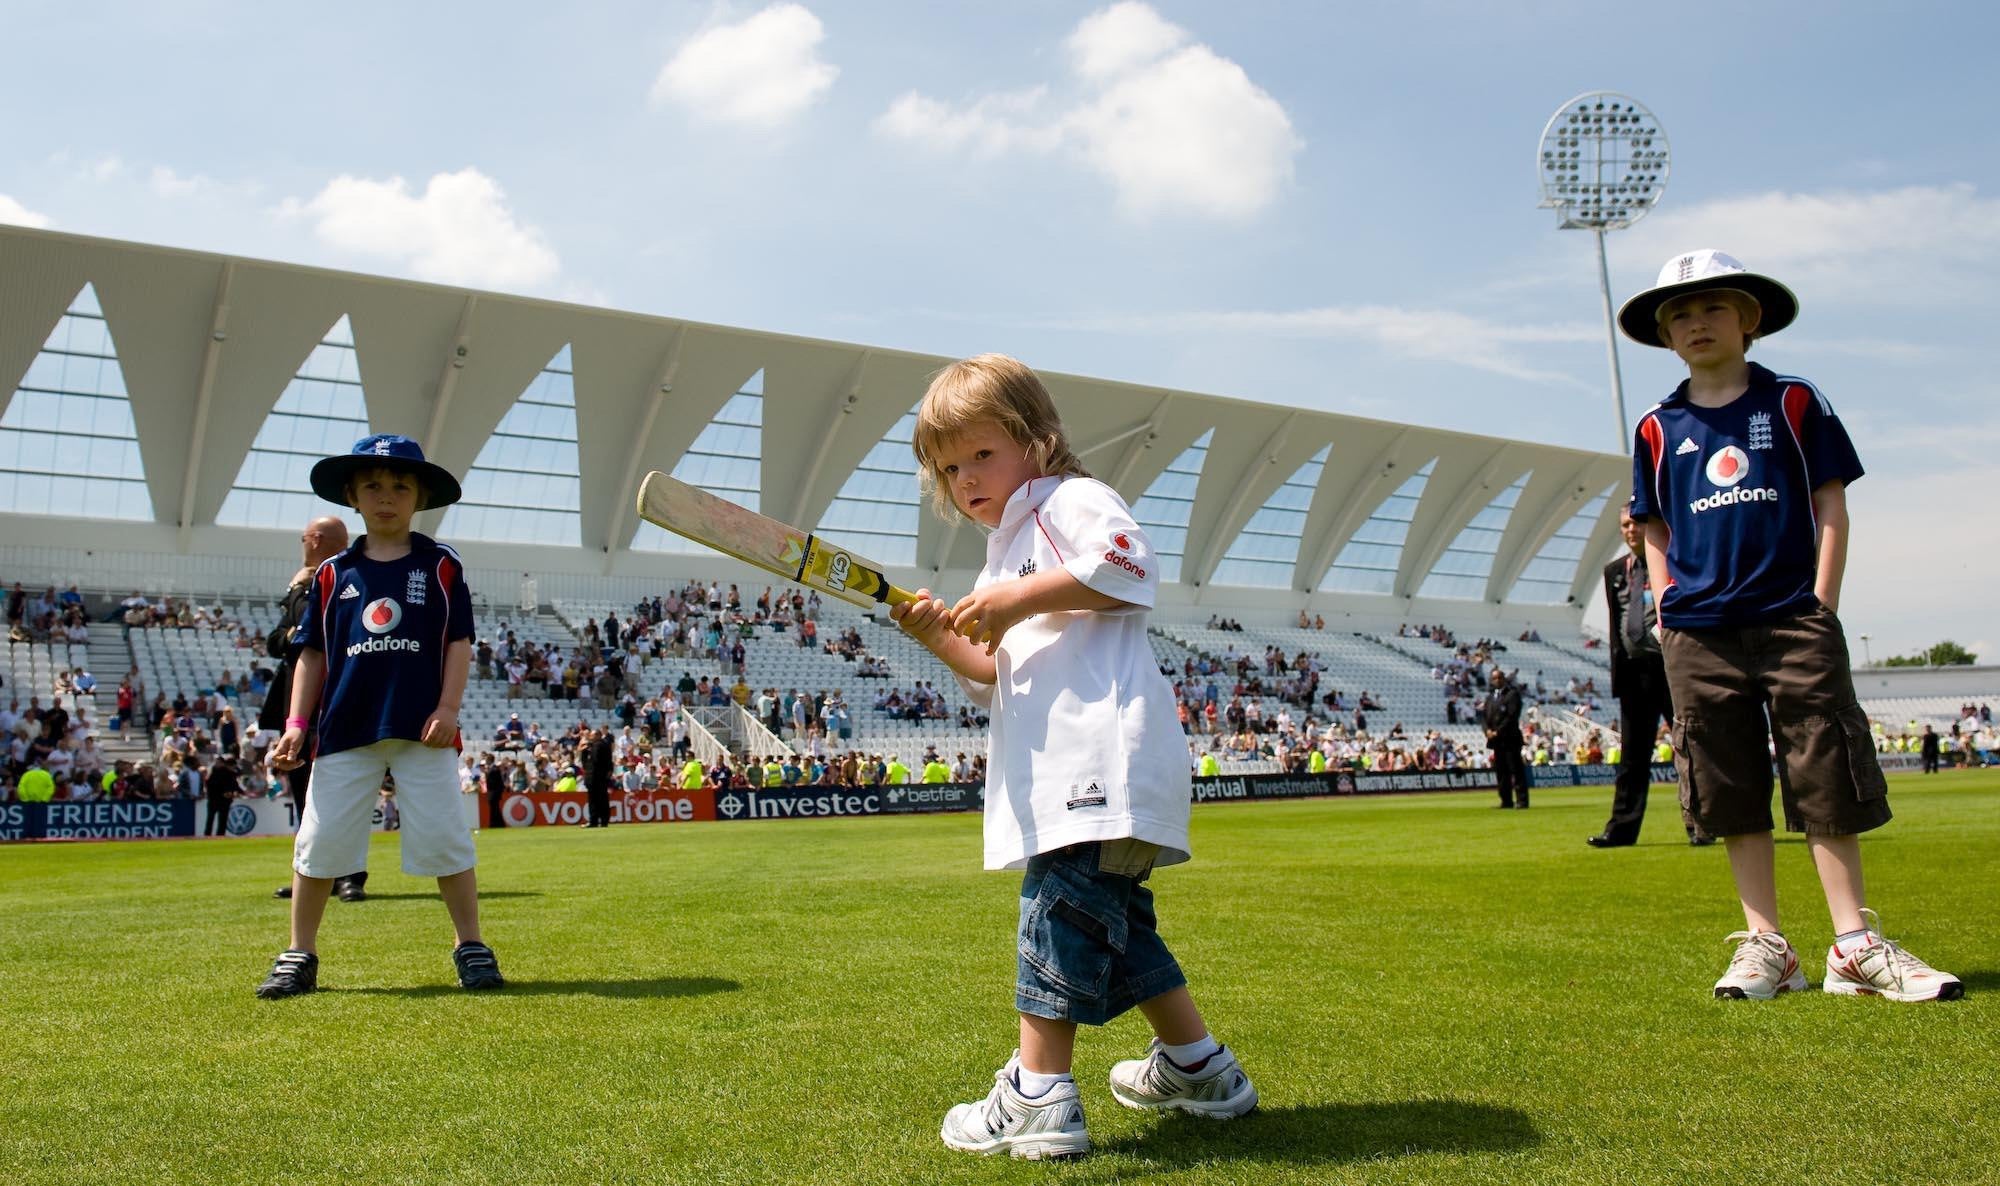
(478, 968)
(294, 973)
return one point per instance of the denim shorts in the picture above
(1089, 949)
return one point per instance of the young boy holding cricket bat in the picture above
(1088, 787)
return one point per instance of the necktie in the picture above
(1638, 608)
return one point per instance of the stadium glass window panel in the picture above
(726, 460)
(1461, 571)
(321, 412)
(523, 486)
(67, 440)
(1545, 580)
(877, 510)
(1368, 562)
(1164, 509)
(1266, 550)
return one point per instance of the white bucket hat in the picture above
(1694, 271)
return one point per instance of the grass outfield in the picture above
(1424, 989)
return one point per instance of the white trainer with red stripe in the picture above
(1764, 966)
(1881, 968)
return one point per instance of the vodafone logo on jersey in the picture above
(1728, 466)
(383, 614)
(1123, 541)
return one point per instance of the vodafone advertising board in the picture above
(550, 809)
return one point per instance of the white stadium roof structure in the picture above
(159, 409)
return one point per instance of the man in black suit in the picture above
(221, 786)
(1929, 752)
(1639, 681)
(496, 791)
(322, 539)
(1502, 718)
(597, 778)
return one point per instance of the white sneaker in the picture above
(1879, 968)
(1049, 1125)
(1764, 966)
(1219, 1091)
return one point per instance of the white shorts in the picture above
(333, 836)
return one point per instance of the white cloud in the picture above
(1122, 38)
(761, 72)
(1427, 335)
(13, 213)
(1175, 127)
(1916, 524)
(1925, 243)
(168, 184)
(990, 126)
(458, 231)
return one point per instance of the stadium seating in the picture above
(1895, 713)
(32, 667)
(1396, 671)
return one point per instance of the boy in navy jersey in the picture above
(384, 645)
(1740, 477)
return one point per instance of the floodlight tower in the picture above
(1603, 164)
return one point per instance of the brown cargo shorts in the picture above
(1737, 689)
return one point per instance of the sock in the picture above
(1191, 1056)
(1034, 1084)
(1847, 941)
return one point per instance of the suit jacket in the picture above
(597, 773)
(278, 644)
(1503, 714)
(222, 783)
(1618, 598)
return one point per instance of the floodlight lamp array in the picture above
(1603, 161)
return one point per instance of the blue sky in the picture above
(1331, 205)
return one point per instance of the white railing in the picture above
(761, 742)
(707, 750)
(1573, 726)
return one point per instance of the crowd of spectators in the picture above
(141, 612)
(1467, 671)
(47, 616)
(1221, 700)
(1315, 747)
(641, 762)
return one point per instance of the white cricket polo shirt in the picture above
(1085, 743)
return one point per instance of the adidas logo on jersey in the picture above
(1687, 446)
(347, 593)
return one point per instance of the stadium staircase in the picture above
(108, 656)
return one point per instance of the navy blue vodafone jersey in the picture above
(383, 626)
(1734, 487)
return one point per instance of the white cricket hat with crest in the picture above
(1694, 271)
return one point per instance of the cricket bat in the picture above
(763, 541)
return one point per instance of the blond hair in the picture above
(1748, 310)
(989, 388)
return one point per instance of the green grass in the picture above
(1425, 990)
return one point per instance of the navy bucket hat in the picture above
(386, 451)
